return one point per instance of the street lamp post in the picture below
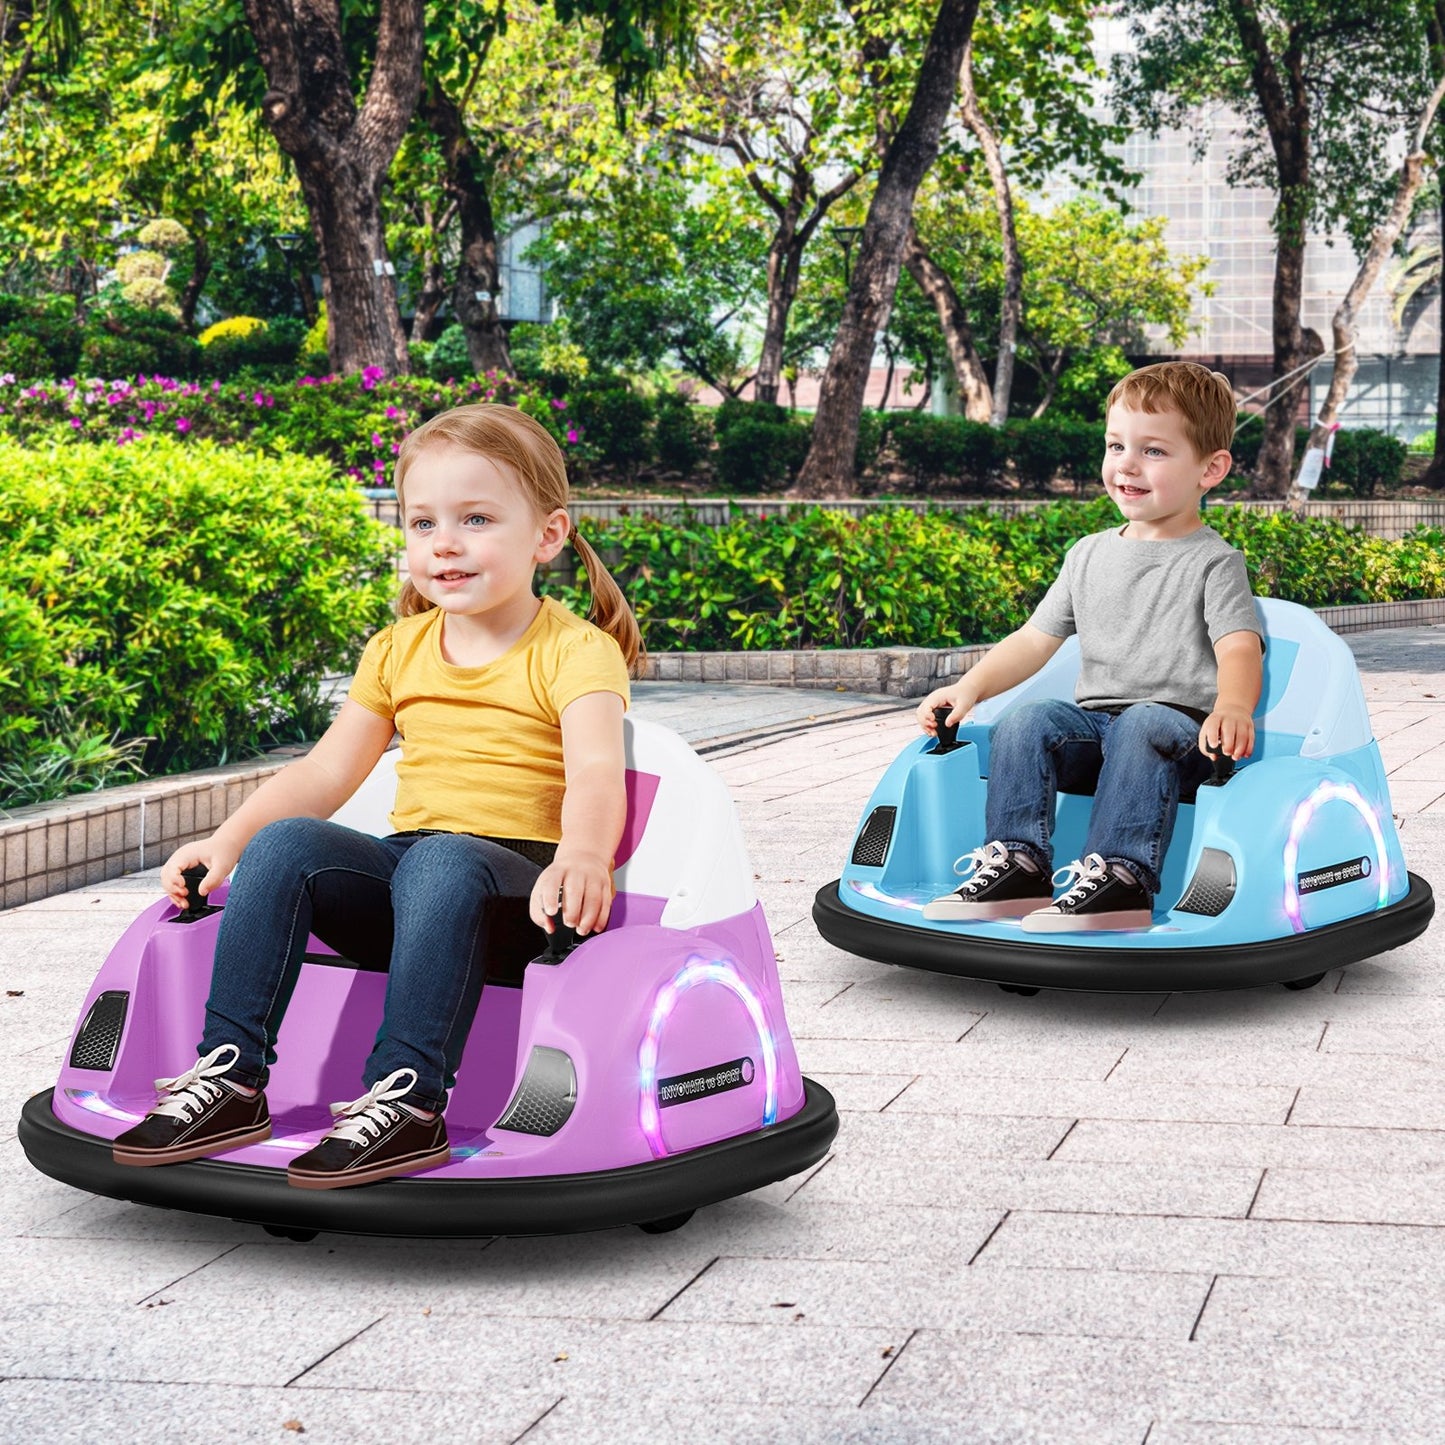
(845, 236)
(288, 243)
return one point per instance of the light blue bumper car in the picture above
(1277, 873)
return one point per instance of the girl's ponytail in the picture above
(609, 610)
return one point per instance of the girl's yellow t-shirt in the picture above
(482, 746)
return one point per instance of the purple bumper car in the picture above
(643, 1072)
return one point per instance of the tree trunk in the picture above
(828, 470)
(196, 281)
(1013, 269)
(785, 257)
(968, 373)
(476, 290)
(342, 156)
(1434, 475)
(1382, 243)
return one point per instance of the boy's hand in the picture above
(958, 699)
(1231, 729)
(580, 886)
(219, 861)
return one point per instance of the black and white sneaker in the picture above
(1100, 896)
(1001, 884)
(375, 1137)
(202, 1113)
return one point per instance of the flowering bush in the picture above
(231, 329)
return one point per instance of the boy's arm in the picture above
(1241, 680)
(594, 810)
(1006, 664)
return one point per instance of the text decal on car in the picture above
(701, 1084)
(1337, 873)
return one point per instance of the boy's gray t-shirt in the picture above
(1148, 615)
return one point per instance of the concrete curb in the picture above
(74, 842)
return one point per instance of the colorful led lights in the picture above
(1325, 793)
(695, 971)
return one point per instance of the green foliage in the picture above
(191, 595)
(450, 360)
(818, 578)
(756, 455)
(942, 450)
(615, 423)
(39, 337)
(683, 433)
(1364, 460)
(121, 340)
(260, 350)
(1423, 444)
(314, 358)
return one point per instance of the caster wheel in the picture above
(666, 1226)
(281, 1231)
(1018, 988)
(1299, 983)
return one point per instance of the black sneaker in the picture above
(376, 1137)
(1101, 896)
(1003, 884)
(201, 1114)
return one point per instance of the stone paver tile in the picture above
(1401, 1040)
(855, 1294)
(966, 1057)
(1378, 1197)
(87, 1216)
(1283, 1066)
(897, 1138)
(1263, 1146)
(1205, 1432)
(1080, 1099)
(1323, 1311)
(862, 1093)
(871, 1010)
(728, 1364)
(74, 1412)
(261, 1345)
(1371, 1107)
(618, 1274)
(47, 1272)
(1136, 1019)
(1106, 1189)
(1218, 1246)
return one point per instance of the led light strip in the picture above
(1325, 793)
(695, 971)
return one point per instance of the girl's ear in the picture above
(555, 531)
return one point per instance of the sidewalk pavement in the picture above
(1180, 1219)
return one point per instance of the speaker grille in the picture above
(1212, 887)
(546, 1096)
(872, 846)
(99, 1035)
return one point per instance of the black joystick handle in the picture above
(1223, 767)
(947, 731)
(196, 906)
(561, 941)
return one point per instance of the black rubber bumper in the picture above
(442, 1208)
(1051, 963)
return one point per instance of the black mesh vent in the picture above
(546, 1096)
(872, 846)
(99, 1035)
(1212, 886)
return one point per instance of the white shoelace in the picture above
(983, 865)
(366, 1117)
(1080, 878)
(192, 1091)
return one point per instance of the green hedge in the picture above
(187, 594)
(818, 578)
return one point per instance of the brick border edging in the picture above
(52, 848)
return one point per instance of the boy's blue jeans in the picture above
(425, 895)
(1137, 762)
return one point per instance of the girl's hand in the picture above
(580, 884)
(218, 858)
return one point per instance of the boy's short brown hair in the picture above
(1204, 398)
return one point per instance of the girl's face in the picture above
(473, 537)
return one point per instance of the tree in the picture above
(1298, 70)
(36, 46)
(828, 469)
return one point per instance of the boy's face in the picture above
(1153, 473)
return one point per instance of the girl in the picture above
(510, 783)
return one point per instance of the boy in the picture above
(1170, 664)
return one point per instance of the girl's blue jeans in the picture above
(424, 895)
(1137, 764)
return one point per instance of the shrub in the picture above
(231, 329)
(874, 429)
(450, 359)
(1037, 448)
(756, 455)
(732, 411)
(614, 423)
(1364, 459)
(1423, 444)
(126, 340)
(682, 434)
(189, 594)
(941, 450)
(38, 337)
(260, 349)
(314, 358)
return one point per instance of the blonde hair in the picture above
(1204, 398)
(505, 435)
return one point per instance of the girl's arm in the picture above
(594, 809)
(314, 786)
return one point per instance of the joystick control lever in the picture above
(561, 941)
(947, 732)
(1223, 768)
(196, 906)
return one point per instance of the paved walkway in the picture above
(1208, 1219)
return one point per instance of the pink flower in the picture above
(76, 422)
(376, 438)
(571, 433)
(183, 424)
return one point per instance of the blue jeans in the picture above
(423, 897)
(1137, 764)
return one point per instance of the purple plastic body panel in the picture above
(597, 1006)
